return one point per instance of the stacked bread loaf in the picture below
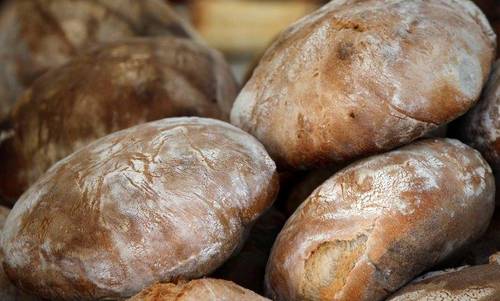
(129, 183)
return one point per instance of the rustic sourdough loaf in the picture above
(359, 77)
(109, 88)
(381, 221)
(160, 201)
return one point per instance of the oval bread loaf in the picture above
(359, 77)
(380, 222)
(157, 202)
(36, 35)
(112, 87)
(477, 283)
(198, 290)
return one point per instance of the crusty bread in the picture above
(359, 77)
(160, 201)
(477, 283)
(112, 87)
(481, 126)
(380, 222)
(36, 35)
(197, 290)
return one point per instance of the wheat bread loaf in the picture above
(360, 77)
(382, 221)
(166, 200)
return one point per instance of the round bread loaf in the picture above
(198, 290)
(171, 199)
(481, 126)
(359, 77)
(477, 283)
(112, 87)
(380, 222)
(9, 292)
(36, 35)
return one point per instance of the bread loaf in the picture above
(166, 200)
(9, 292)
(380, 222)
(481, 126)
(359, 77)
(36, 35)
(197, 290)
(112, 87)
(478, 283)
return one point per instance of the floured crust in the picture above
(157, 202)
(37, 35)
(358, 77)
(380, 222)
(481, 127)
(109, 88)
(477, 283)
(197, 290)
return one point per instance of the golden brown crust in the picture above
(198, 290)
(477, 283)
(378, 223)
(358, 77)
(109, 88)
(36, 35)
(160, 201)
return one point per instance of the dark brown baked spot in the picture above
(345, 50)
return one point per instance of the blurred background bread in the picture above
(106, 89)
(36, 35)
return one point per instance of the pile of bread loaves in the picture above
(127, 181)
